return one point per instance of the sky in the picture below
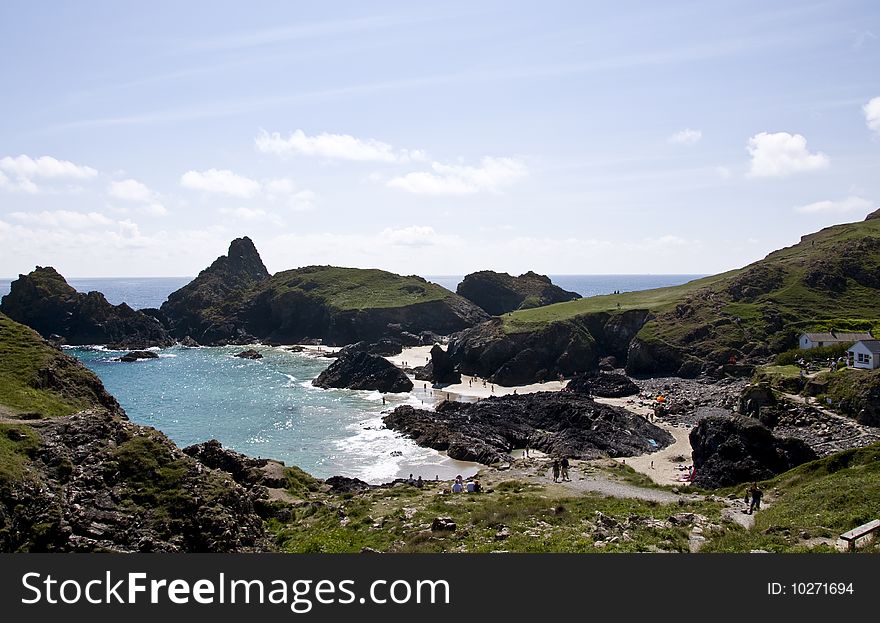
(138, 139)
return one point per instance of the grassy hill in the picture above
(830, 279)
(346, 289)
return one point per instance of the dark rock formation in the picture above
(558, 423)
(499, 293)
(361, 370)
(608, 364)
(250, 353)
(562, 348)
(603, 385)
(384, 348)
(441, 369)
(138, 354)
(44, 301)
(206, 308)
(732, 449)
(342, 484)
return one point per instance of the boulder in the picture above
(442, 368)
(443, 524)
(244, 470)
(249, 354)
(362, 370)
(608, 364)
(138, 354)
(342, 484)
(384, 348)
(733, 449)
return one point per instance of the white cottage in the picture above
(818, 340)
(864, 354)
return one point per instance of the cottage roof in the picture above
(835, 336)
(871, 345)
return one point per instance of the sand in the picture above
(665, 470)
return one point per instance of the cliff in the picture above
(44, 301)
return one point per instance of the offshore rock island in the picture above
(705, 378)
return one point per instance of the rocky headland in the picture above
(44, 301)
(362, 370)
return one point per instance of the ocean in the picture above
(141, 292)
(268, 407)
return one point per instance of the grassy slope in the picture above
(801, 306)
(823, 498)
(356, 288)
(23, 353)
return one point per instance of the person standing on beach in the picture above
(563, 464)
(555, 470)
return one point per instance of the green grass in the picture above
(356, 288)
(23, 353)
(823, 498)
(17, 444)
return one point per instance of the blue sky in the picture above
(432, 138)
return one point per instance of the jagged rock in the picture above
(188, 342)
(361, 370)
(249, 354)
(342, 484)
(138, 354)
(244, 470)
(384, 348)
(608, 364)
(44, 301)
(499, 293)
(442, 368)
(558, 423)
(603, 385)
(443, 524)
(732, 449)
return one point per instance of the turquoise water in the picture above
(267, 408)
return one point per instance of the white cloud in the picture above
(129, 190)
(872, 114)
(62, 218)
(781, 153)
(251, 215)
(281, 190)
(221, 181)
(686, 137)
(21, 171)
(492, 175)
(134, 191)
(413, 236)
(850, 204)
(335, 147)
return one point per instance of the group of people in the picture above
(460, 486)
(560, 470)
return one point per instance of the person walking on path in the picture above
(563, 464)
(555, 470)
(755, 494)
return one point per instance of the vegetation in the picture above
(17, 444)
(817, 500)
(355, 288)
(36, 378)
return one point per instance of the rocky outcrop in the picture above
(206, 308)
(244, 470)
(99, 483)
(733, 449)
(138, 354)
(383, 348)
(499, 293)
(44, 301)
(250, 353)
(563, 348)
(362, 370)
(557, 423)
(441, 369)
(603, 385)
